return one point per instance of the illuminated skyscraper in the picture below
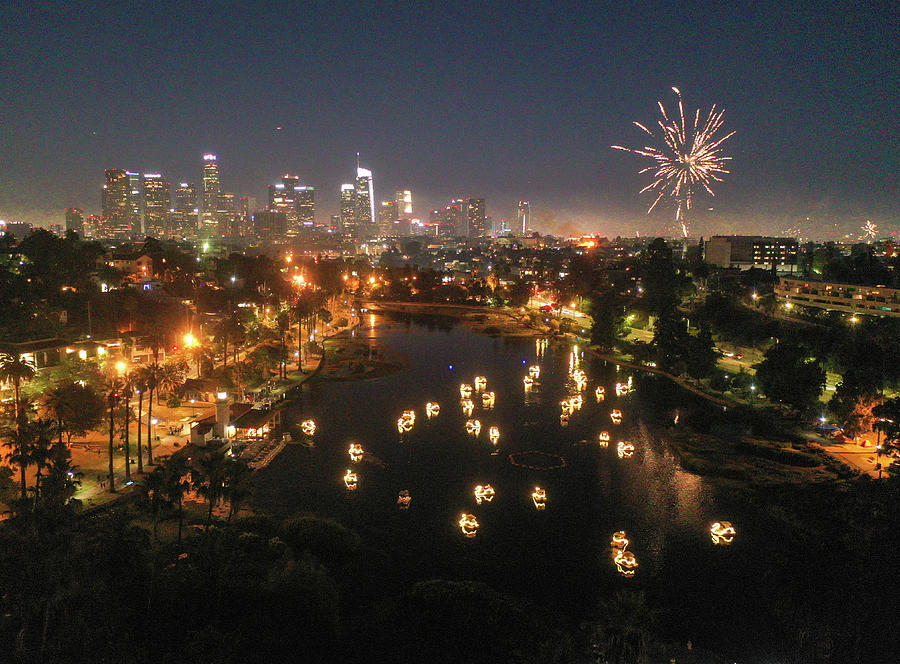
(348, 208)
(184, 210)
(75, 221)
(477, 221)
(523, 216)
(403, 198)
(388, 219)
(305, 198)
(283, 198)
(121, 203)
(365, 201)
(157, 205)
(227, 214)
(212, 189)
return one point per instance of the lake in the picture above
(559, 557)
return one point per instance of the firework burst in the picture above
(688, 157)
(869, 230)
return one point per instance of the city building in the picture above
(75, 220)
(16, 229)
(283, 198)
(212, 189)
(184, 211)
(157, 205)
(269, 225)
(388, 219)
(348, 208)
(523, 217)
(305, 197)
(133, 263)
(403, 199)
(364, 207)
(849, 298)
(227, 214)
(747, 251)
(476, 218)
(120, 206)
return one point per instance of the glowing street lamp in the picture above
(120, 366)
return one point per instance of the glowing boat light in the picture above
(465, 391)
(539, 498)
(626, 563)
(356, 452)
(487, 400)
(616, 416)
(624, 449)
(600, 393)
(722, 532)
(404, 499)
(468, 525)
(534, 372)
(484, 493)
(432, 409)
(473, 427)
(351, 480)
(619, 541)
(494, 434)
(308, 427)
(467, 407)
(480, 382)
(603, 439)
(621, 389)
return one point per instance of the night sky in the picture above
(504, 101)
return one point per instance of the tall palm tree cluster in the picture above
(70, 408)
(31, 443)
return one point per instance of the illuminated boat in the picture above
(351, 480)
(539, 498)
(308, 427)
(468, 525)
(484, 493)
(356, 452)
(722, 532)
(494, 434)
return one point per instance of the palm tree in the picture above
(237, 484)
(113, 388)
(171, 377)
(55, 403)
(624, 629)
(15, 370)
(127, 393)
(207, 478)
(176, 485)
(240, 374)
(151, 374)
(20, 452)
(155, 488)
(41, 432)
(283, 322)
(62, 480)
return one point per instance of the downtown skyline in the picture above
(522, 108)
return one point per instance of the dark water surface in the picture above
(559, 558)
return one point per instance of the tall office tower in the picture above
(403, 198)
(364, 212)
(388, 219)
(335, 222)
(269, 225)
(246, 205)
(504, 227)
(184, 210)
(476, 218)
(121, 204)
(75, 221)
(212, 189)
(283, 198)
(227, 214)
(135, 203)
(305, 198)
(157, 205)
(453, 219)
(523, 216)
(348, 208)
